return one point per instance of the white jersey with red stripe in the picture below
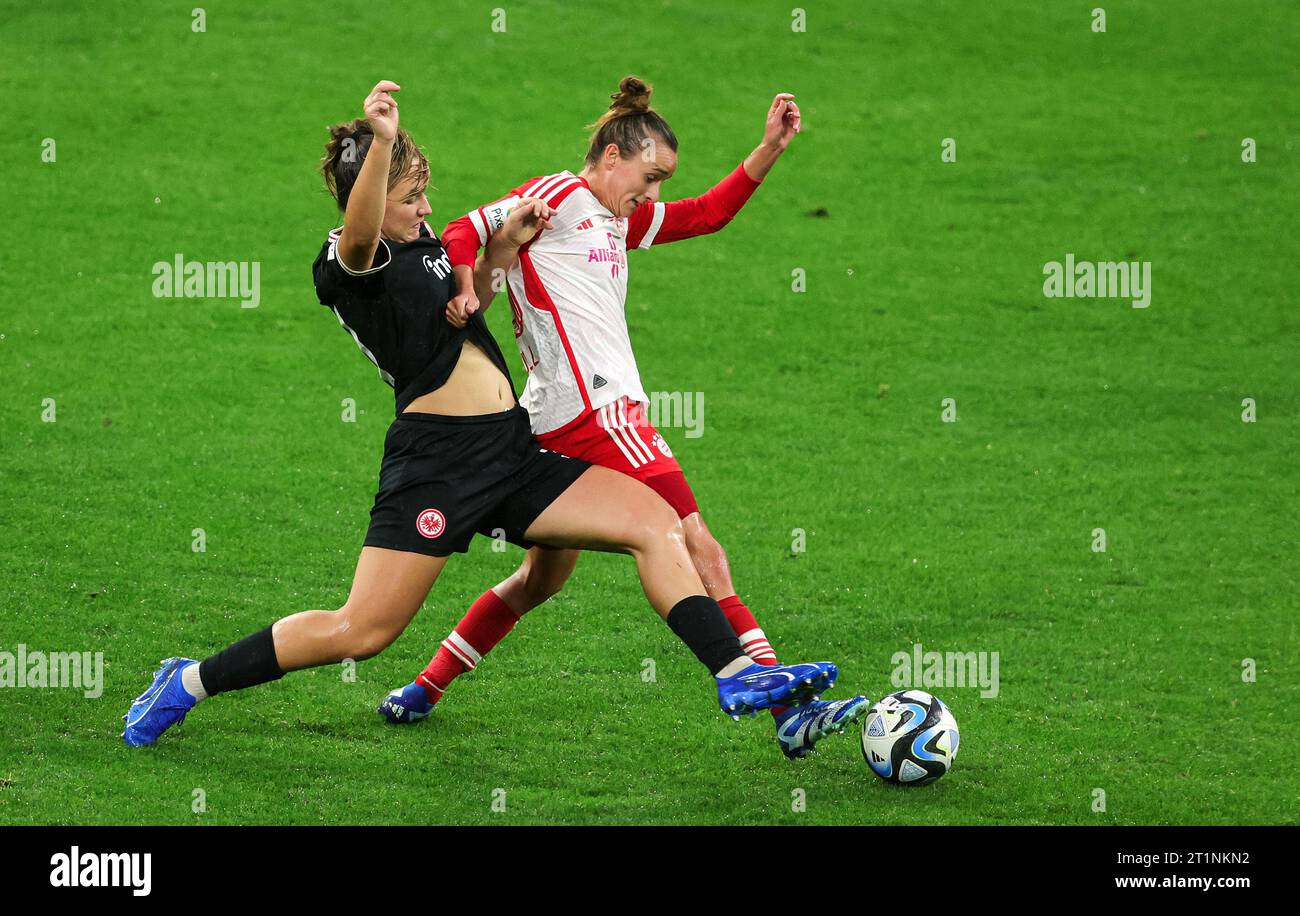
(568, 289)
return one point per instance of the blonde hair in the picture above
(343, 159)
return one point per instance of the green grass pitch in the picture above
(1120, 671)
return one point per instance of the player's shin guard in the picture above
(484, 625)
(700, 623)
(753, 641)
(247, 663)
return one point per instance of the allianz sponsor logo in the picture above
(920, 669)
(677, 410)
(103, 869)
(182, 279)
(1098, 280)
(80, 670)
(607, 255)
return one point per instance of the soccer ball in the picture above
(910, 738)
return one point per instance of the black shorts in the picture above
(445, 478)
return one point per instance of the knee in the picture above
(370, 644)
(704, 548)
(659, 528)
(358, 639)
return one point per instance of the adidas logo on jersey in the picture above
(585, 224)
(598, 382)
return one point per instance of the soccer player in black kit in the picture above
(458, 459)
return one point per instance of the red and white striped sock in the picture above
(484, 625)
(753, 641)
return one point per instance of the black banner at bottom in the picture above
(336, 864)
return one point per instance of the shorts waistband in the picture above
(438, 419)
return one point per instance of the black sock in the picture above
(700, 623)
(247, 663)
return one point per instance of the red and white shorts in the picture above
(618, 436)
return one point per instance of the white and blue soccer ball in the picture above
(910, 738)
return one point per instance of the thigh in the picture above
(390, 586)
(387, 590)
(602, 510)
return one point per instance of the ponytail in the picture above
(629, 122)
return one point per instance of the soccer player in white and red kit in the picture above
(567, 290)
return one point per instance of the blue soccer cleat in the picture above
(160, 707)
(802, 727)
(407, 705)
(763, 686)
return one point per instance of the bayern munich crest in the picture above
(430, 523)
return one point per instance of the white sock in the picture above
(192, 683)
(754, 644)
(737, 665)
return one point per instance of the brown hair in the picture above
(629, 120)
(346, 151)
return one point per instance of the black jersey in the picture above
(396, 311)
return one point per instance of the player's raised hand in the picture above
(381, 109)
(529, 217)
(782, 122)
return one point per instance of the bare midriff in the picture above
(476, 386)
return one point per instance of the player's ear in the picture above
(612, 155)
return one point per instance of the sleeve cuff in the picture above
(655, 222)
(374, 268)
(744, 176)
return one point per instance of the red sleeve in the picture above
(464, 237)
(657, 223)
(461, 240)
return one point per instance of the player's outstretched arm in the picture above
(365, 213)
(529, 217)
(778, 130)
(659, 223)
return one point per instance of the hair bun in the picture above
(633, 95)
